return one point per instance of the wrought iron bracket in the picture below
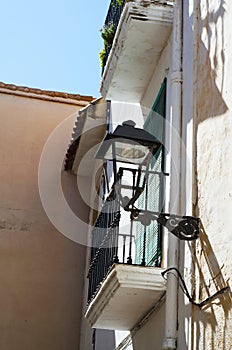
(183, 227)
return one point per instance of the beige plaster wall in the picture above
(212, 325)
(41, 271)
(151, 334)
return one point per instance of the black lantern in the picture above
(135, 146)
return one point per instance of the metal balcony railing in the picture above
(114, 12)
(142, 245)
(104, 242)
(112, 19)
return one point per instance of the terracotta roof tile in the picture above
(45, 93)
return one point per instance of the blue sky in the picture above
(52, 44)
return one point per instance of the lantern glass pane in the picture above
(126, 152)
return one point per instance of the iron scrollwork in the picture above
(185, 227)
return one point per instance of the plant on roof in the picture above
(107, 34)
(102, 57)
(118, 2)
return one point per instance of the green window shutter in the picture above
(155, 125)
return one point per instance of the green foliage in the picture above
(119, 2)
(102, 57)
(107, 34)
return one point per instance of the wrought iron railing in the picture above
(112, 19)
(114, 12)
(104, 242)
(142, 246)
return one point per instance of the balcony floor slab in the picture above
(125, 296)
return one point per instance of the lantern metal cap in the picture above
(128, 131)
(127, 134)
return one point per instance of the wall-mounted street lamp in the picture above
(135, 146)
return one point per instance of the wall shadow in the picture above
(210, 331)
(210, 63)
(206, 263)
(208, 82)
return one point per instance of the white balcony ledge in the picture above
(125, 296)
(141, 36)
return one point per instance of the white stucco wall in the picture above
(212, 167)
(160, 72)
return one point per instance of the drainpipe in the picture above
(171, 319)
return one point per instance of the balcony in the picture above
(125, 279)
(126, 294)
(142, 29)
